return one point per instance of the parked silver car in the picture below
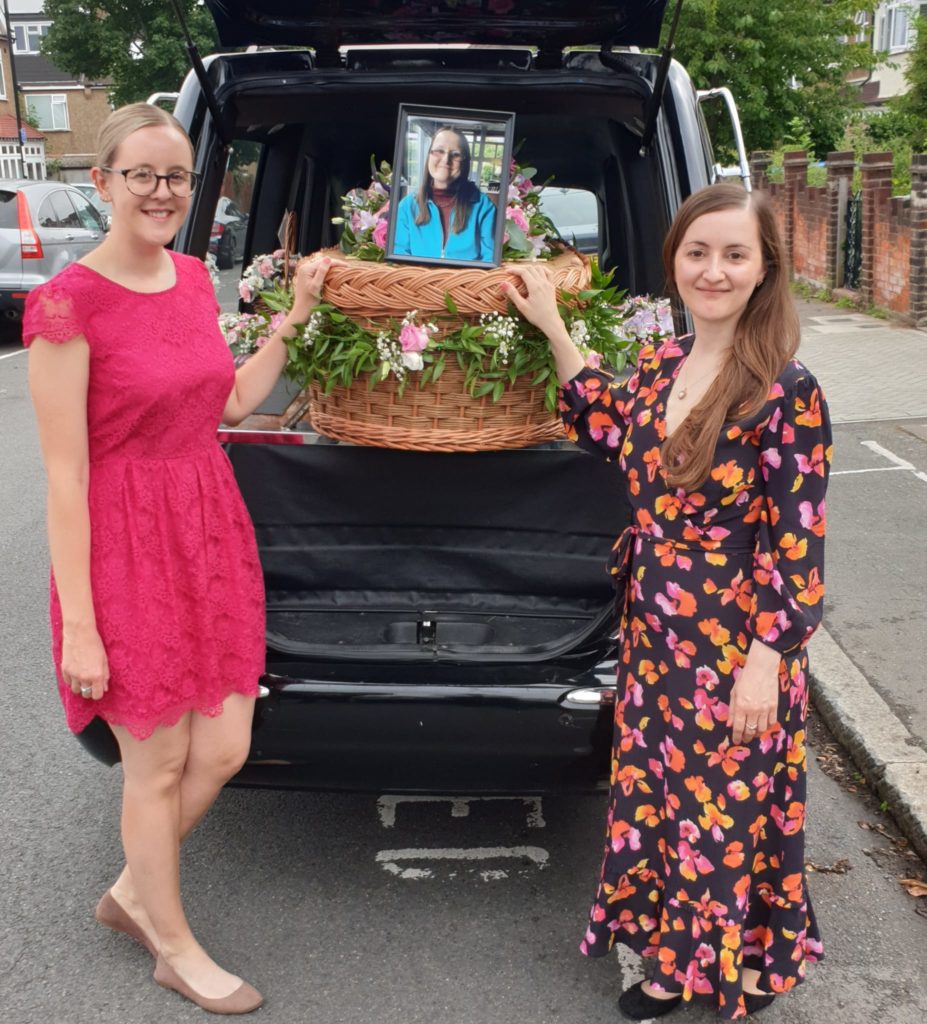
(44, 226)
(103, 208)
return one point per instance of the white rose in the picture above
(412, 360)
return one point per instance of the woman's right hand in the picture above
(539, 306)
(84, 663)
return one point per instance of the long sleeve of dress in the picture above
(788, 566)
(595, 408)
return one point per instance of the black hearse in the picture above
(438, 621)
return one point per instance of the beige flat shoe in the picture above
(243, 1000)
(111, 914)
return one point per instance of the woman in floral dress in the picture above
(725, 442)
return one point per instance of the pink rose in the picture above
(379, 233)
(413, 338)
(244, 290)
(266, 268)
(517, 216)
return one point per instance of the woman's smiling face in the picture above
(445, 159)
(156, 218)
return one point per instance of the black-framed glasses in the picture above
(142, 181)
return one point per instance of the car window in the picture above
(9, 213)
(57, 211)
(570, 208)
(233, 211)
(89, 218)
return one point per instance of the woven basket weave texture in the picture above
(442, 415)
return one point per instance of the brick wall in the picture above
(893, 273)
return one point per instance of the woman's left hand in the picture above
(755, 696)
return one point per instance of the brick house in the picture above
(892, 32)
(68, 110)
(33, 152)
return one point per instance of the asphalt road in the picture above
(356, 908)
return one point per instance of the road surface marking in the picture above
(10, 355)
(899, 462)
(392, 860)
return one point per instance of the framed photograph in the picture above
(450, 184)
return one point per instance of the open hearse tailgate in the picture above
(546, 24)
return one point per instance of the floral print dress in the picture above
(704, 855)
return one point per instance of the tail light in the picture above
(29, 243)
(217, 228)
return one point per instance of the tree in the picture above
(912, 106)
(782, 59)
(136, 44)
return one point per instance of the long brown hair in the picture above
(765, 339)
(467, 193)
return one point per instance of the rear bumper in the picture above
(413, 738)
(12, 304)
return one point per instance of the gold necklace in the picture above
(681, 392)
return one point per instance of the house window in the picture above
(27, 37)
(897, 25)
(50, 111)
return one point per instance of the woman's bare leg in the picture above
(217, 749)
(153, 769)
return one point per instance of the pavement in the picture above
(872, 371)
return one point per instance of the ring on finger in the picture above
(86, 691)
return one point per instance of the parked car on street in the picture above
(44, 226)
(227, 238)
(102, 207)
(438, 621)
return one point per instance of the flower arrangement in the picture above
(529, 234)
(247, 332)
(332, 349)
(265, 274)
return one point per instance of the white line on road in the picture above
(899, 462)
(391, 860)
(886, 454)
(10, 355)
(872, 469)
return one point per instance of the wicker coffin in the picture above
(442, 416)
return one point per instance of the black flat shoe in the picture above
(755, 1003)
(635, 1004)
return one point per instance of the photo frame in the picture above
(450, 186)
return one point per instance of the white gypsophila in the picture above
(579, 332)
(391, 355)
(313, 328)
(502, 331)
(213, 267)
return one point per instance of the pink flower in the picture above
(244, 290)
(276, 320)
(517, 216)
(379, 233)
(413, 338)
(266, 268)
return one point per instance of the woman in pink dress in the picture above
(157, 602)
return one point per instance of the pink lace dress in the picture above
(177, 585)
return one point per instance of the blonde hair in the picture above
(765, 339)
(123, 122)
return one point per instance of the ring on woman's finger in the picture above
(86, 691)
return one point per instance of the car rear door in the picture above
(64, 238)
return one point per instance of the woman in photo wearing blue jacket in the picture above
(449, 217)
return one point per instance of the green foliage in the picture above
(137, 44)
(759, 50)
(913, 105)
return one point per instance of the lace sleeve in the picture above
(51, 313)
